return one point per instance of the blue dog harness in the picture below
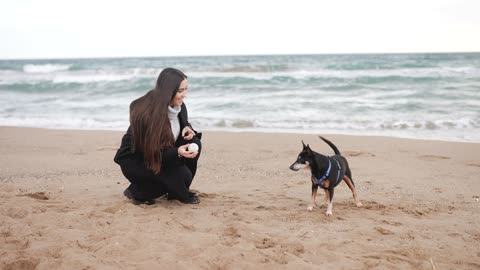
(320, 180)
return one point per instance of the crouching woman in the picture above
(154, 154)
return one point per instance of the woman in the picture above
(154, 153)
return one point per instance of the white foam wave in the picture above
(102, 76)
(64, 123)
(348, 74)
(86, 78)
(61, 74)
(70, 77)
(46, 68)
(463, 130)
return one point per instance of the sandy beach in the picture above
(62, 206)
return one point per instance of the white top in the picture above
(173, 117)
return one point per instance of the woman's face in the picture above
(181, 94)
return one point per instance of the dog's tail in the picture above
(335, 149)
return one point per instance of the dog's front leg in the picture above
(314, 197)
(326, 198)
(330, 202)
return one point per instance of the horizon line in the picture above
(233, 55)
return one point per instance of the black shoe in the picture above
(173, 197)
(129, 195)
(191, 200)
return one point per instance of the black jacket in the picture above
(169, 156)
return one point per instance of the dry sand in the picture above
(62, 206)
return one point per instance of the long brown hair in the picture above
(151, 130)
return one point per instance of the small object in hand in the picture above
(193, 147)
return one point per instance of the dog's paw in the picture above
(310, 208)
(359, 204)
(329, 213)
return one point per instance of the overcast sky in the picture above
(110, 28)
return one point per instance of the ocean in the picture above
(424, 96)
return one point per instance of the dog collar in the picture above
(320, 180)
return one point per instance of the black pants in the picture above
(146, 185)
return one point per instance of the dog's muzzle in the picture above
(297, 166)
(293, 167)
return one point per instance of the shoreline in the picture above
(62, 205)
(276, 131)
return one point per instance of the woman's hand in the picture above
(183, 152)
(188, 133)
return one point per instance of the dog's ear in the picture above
(304, 146)
(309, 150)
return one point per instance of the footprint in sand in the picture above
(373, 205)
(230, 236)
(393, 223)
(415, 211)
(188, 227)
(473, 164)
(279, 251)
(115, 208)
(384, 231)
(205, 195)
(231, 231)
(432, 157)
(25, 264)
(17, 212)
(455, 235)
(12, 243)
(295, 248)
(357, 154)
(265, 243)
(36, 195)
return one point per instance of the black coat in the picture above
(169, 156)
(176, 173)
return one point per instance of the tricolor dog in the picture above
(327, 172)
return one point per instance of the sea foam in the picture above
(435, 96)
(46, 68)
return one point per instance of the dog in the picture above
(326, 172)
